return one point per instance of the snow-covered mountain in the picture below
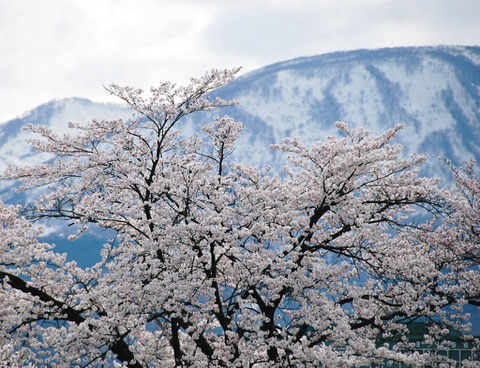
(434, 90)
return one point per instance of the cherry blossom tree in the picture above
(467, 218)
(457, 241)
(216, 263)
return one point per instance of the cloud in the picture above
(53, 49)
(276, 31)
(60, 49)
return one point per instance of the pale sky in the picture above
(64, 48)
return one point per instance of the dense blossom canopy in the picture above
(215, 263)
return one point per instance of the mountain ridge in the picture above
(306, 95)
(346, 56)
(371, 88)
(435, 90)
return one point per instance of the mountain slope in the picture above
(434, 90)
